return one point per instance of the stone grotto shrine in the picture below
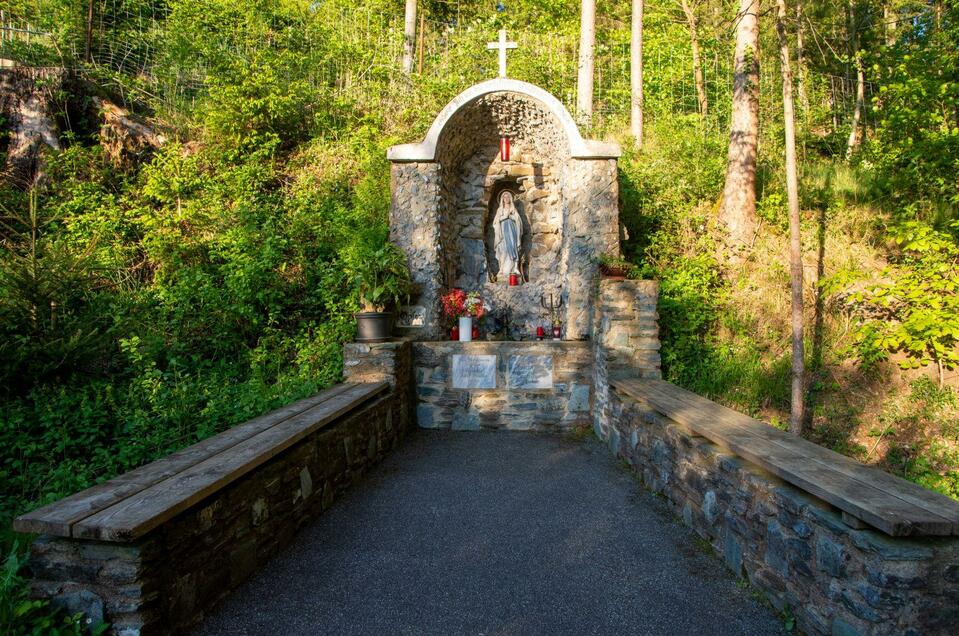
(445, 194)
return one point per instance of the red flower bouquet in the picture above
(459, 304)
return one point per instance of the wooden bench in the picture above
(127, 507)
(883, 501)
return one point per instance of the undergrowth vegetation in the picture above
(149, 301)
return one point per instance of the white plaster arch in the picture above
(580, 148)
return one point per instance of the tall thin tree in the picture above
(701, 100)
(636, 73)
(409, 36)
(587, 42)
(737, 211)
(795, 235)
(855, 134)
(801, 76)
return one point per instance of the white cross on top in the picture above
(502, 45)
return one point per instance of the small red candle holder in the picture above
(557, 332)
(540, 333)
(455, 333)
(475, 332)
(513, 280)
(504, 149)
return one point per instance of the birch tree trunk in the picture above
(697, 61)
(636, 73)
(587, 41)
(795, 238)
(737, 212)
(409, 36)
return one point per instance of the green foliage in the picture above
(21, 615)
(917, 311)
(379, 274)
(916, 145)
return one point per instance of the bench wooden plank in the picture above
(135, 516)
(58, 518)
(930, 501)
(885, 501)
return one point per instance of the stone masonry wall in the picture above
(793, 547)
(417, 227)
(591, 220)
(440, 216)
(625, 339)
(565, 405)
(166, 581)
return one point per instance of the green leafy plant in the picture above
(614, 265)
(379, 275)
(916, 310)
(19, 614)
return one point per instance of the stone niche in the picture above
(445, 192)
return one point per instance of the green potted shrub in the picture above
(381, 279)
(614, 267)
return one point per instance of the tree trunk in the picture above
(801, 62)
(738, 210)
(889, 23)
(422, 35)
(87, 52)
(697, 62)
(587, 40)
(855, 135)
(409, 36)
(795, 238)
(636, 73)
(26, 100)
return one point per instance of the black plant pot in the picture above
(374, 326)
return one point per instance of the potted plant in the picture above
(614, 267)
(381, 279)
(463, 307)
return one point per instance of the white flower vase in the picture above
(466, 329)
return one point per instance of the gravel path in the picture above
(494, 533)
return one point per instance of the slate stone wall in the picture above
(795, 548)
(166, 581)
(625, 339)
(441, 213)
(566, 404)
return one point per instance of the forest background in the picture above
(157, 289)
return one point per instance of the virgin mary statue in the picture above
(507, 235)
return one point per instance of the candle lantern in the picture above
(504, 149)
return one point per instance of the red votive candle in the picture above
(540, 333)
(513, 280)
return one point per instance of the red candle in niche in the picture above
(540, 333)
(513, 280)
(475, 332)
(455, 333)
(557, 332)
(504, 149)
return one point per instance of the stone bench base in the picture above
(795, 548)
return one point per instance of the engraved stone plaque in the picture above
(474, 372)
(530, 372)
